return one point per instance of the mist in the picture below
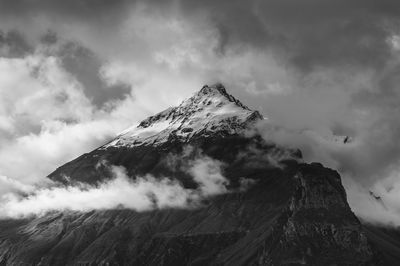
(142, 193)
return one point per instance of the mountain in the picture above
(211, 114)
(273, 209)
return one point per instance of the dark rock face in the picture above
(386, 240)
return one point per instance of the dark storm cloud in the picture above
(308, 33)
(49, 38)
(102, 12)
(78, 60)
(85, 66)
(13, 44)
(99, 10)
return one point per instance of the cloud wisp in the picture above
(140, 194)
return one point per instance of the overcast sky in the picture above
(74, 73)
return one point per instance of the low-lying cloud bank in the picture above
(140, 194)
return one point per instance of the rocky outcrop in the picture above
(319, 227)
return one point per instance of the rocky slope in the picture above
(386, 240)
(291, 213)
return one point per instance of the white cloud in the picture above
(207, 173)
(143, 193)
(31, 157)
(37, 88)
(374, 205)
(45, 116)
(8, 185)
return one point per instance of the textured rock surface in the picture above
(386, 240)
(293, 214)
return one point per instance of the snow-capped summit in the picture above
(208, 112)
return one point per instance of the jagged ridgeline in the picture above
(289, 213)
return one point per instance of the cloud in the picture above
(378, 204)
(271, 157)
(207, 173)
(57, 142)
(9, 185)
(36, 87)
(139, 194)
(45, 118)
(12, 44)
(85, 66)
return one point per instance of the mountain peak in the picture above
(208, 112)
(216, 90)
